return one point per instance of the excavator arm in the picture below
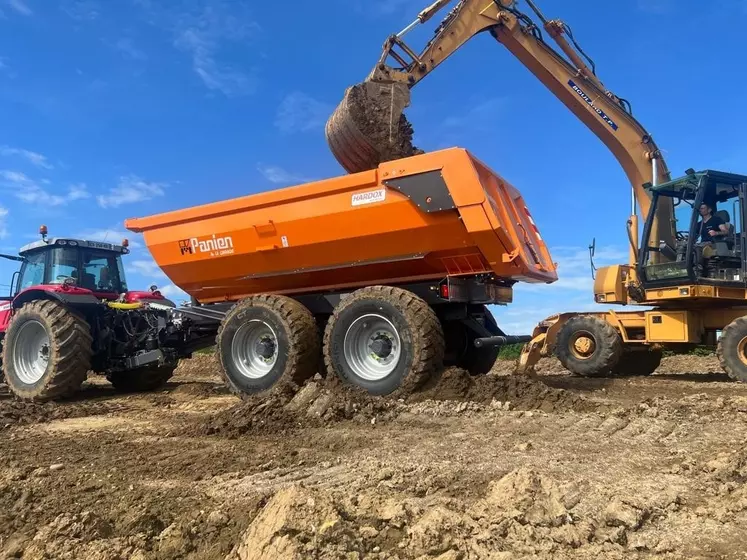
(369, 125)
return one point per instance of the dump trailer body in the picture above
(421, 218)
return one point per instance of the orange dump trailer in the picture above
(432, 238)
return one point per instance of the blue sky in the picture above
(120, 108)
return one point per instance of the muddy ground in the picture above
(560, 467)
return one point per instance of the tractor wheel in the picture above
(383, 340)
(141, 380)
(46, 352)
(638, 362)
(265, 339)
(461, 351)
(588, 346)
(732, 349)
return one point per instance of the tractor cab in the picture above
(57, 262)
(709, 214)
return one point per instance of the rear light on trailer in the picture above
(444, 291)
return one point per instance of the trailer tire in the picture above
(46, 351)
(588, 346)
(732, 349)
(638, 363)
(409, 346)
(141, 380)
(460, 344)
(267, 339)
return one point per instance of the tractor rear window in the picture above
(102, 270)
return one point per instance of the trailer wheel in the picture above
(638, 362)
(46, 352)
(141, 380)
(588, 346)
(461, 350)
(265, 339)
(384, 340)
(732, 349)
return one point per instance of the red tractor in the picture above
(70, 312)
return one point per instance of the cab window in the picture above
(32, 271)
(101, 272)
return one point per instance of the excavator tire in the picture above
(141, 380)
(384, 340)
(732, 349)
(588, 346)
(368, 127)
(266, 340)
(638, 362)
(46, 351)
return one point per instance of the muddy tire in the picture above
(141, 380)
(265, 340)
(384, 340)
(46, 351)
(638, 363)
(588, 346)
(461, 350)
(732, 349)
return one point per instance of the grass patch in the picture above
(510, 352)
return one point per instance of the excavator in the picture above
(687, 273)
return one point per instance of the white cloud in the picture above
(130, 188)
(78, 191)
(81, 10)
(278, 175)
(35, 158)
(20, 6)
(202, 28)
(174, 293)
(129, 50)
(29, 191)
(147, 268)
(299, 112)
(3, 223)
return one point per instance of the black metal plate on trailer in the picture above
(427, 190)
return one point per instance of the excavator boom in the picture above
(369, 126)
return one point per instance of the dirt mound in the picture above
(522, 513)
(317, 403)
(520, 392)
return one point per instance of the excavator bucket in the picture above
(369, 127)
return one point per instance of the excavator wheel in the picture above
(732, 349)
(266, 340)
(588, 346)
(384, 340)
(638, 362)
(368, 127)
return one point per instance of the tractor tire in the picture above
(267, 339)
(732, 349)
(638, 363)
(46, 351)
(141, 380)
(384, 340)
(588, 346)
(461, 350)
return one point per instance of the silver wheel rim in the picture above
(31, 352)
(372, 347)
(254, 349)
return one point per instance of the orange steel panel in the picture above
(349, 231)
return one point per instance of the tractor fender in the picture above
(68, 297)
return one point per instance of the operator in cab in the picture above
(710, 227)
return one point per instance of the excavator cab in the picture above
(698, 257)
